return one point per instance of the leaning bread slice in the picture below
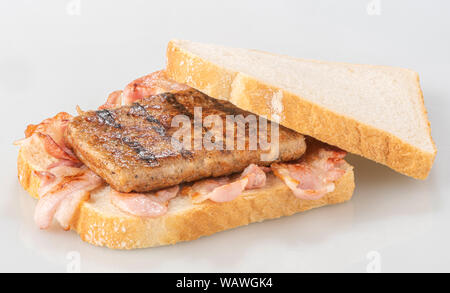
(101, 223)
(374, 111)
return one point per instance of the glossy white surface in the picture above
(52, 60)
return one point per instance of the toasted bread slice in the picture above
(374, 111)
(101, 223)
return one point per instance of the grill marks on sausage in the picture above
(131, 147)
(105, 116)
(169, 97)
(142, 152)
(139, 110)
(183, 110)
(130, 125)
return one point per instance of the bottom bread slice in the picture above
(100, 223)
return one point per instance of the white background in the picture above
(56, 54)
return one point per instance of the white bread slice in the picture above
(374, 111)
(100, 223)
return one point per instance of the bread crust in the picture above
(299, 114)
(120, 231)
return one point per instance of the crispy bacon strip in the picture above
(51, 126)
(58, 197)
(144, 204)
(114, 101)
(46, 209)
(51, 133)
(256, 176)
(31, 129)
(229, 191)
(55, 150)
(69, 206)
(57, 175)
(68, 187)
(52, 176)
(47, 181)
(67, 163)
(313, 177)
(64, 182)
(151, 84)
(222, 190)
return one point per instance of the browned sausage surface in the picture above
(131, 147)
